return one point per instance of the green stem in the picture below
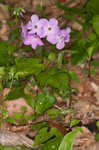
(2, 103)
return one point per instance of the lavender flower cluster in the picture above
(36, 29)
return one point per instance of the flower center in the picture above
(49, 28)
(62, 38)
(35, 26)
(35, 36)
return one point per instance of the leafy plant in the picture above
(44, 101)
(68, 140)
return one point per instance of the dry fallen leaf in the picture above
(84, 139)
(14, 106)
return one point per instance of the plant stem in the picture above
(1, 103)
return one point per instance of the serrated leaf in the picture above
(68, 140)
(44, 101)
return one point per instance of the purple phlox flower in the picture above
(24, 30)
(36, 25)
(51, 29)
(33, 40)
(63, 37)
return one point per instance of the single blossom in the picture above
(51, 29)
(33, 40)
(63, 37)
(36, 26)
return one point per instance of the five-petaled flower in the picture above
(35, 25)
(33, 40)
(51, 29)
(63, 37)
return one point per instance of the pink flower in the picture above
(33, 40)
(51, 29)
(36, 25)
(63, 37)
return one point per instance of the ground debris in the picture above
(8, 138)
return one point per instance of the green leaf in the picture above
(79, 47)
(97, 124)
(2, 71)
(95, 63)
(44, 101)
(29, 66)
(96, 23)
(74, 122)
(93, 6)
(74, 76)
(10, 148)
(11, 120)
(15, 93)
(51, 57)
(40, 125)
(5, 114)
(56, 78)
(53, 113)
(52, 144)
(93, 48)
(29, 100)
(6, 51)
(68, 140)
(17, 116)
(97, 137)
(45, 135)
(92, 37)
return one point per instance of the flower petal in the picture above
(43, 22)
(60, 45)
(52, 39)
(34, 18)
(68, 30)
(34, 45)
(24, 30)
(53, 22)
(67, 38)
(29, 25)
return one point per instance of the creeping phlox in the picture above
(36, 29)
